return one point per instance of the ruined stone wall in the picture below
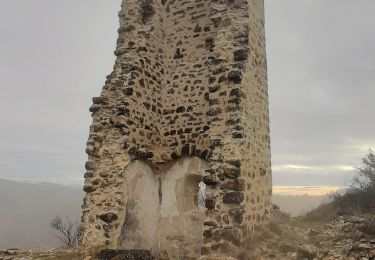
(189, 80)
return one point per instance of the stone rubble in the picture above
(343, 238)
(57, 254)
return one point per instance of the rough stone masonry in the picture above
(187, 102)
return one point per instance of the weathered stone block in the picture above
(231, 171)
(210, 203)
(214, 111)
(128, 91)
(109, 254)
(233, 197)
(235, 76)
(88, 188)
(90, 165)
(108, 217)
(97, 100)
(241, 54)
(234, 184)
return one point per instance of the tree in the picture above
(366, 173)
(360, 195)
(68, 232)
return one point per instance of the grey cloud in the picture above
(54, 56)
(321, 78)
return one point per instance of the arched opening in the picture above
(165, 209)
(140, 231)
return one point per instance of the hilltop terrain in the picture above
(27, 209)
(284, 238)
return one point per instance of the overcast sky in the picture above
(54, 56)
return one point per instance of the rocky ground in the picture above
(284, 238)
(74, 254)
(343, 238)
(10, 254)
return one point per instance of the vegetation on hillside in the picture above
(341, 228)
(357, 199)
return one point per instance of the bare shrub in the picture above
(68, 232)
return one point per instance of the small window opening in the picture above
(202, 197)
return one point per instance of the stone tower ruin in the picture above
(186, 104)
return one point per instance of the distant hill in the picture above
(27, 209)
(297, 205)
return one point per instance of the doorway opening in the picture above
(165, 209)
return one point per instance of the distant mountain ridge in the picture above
(26, 210)
(297, 205)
